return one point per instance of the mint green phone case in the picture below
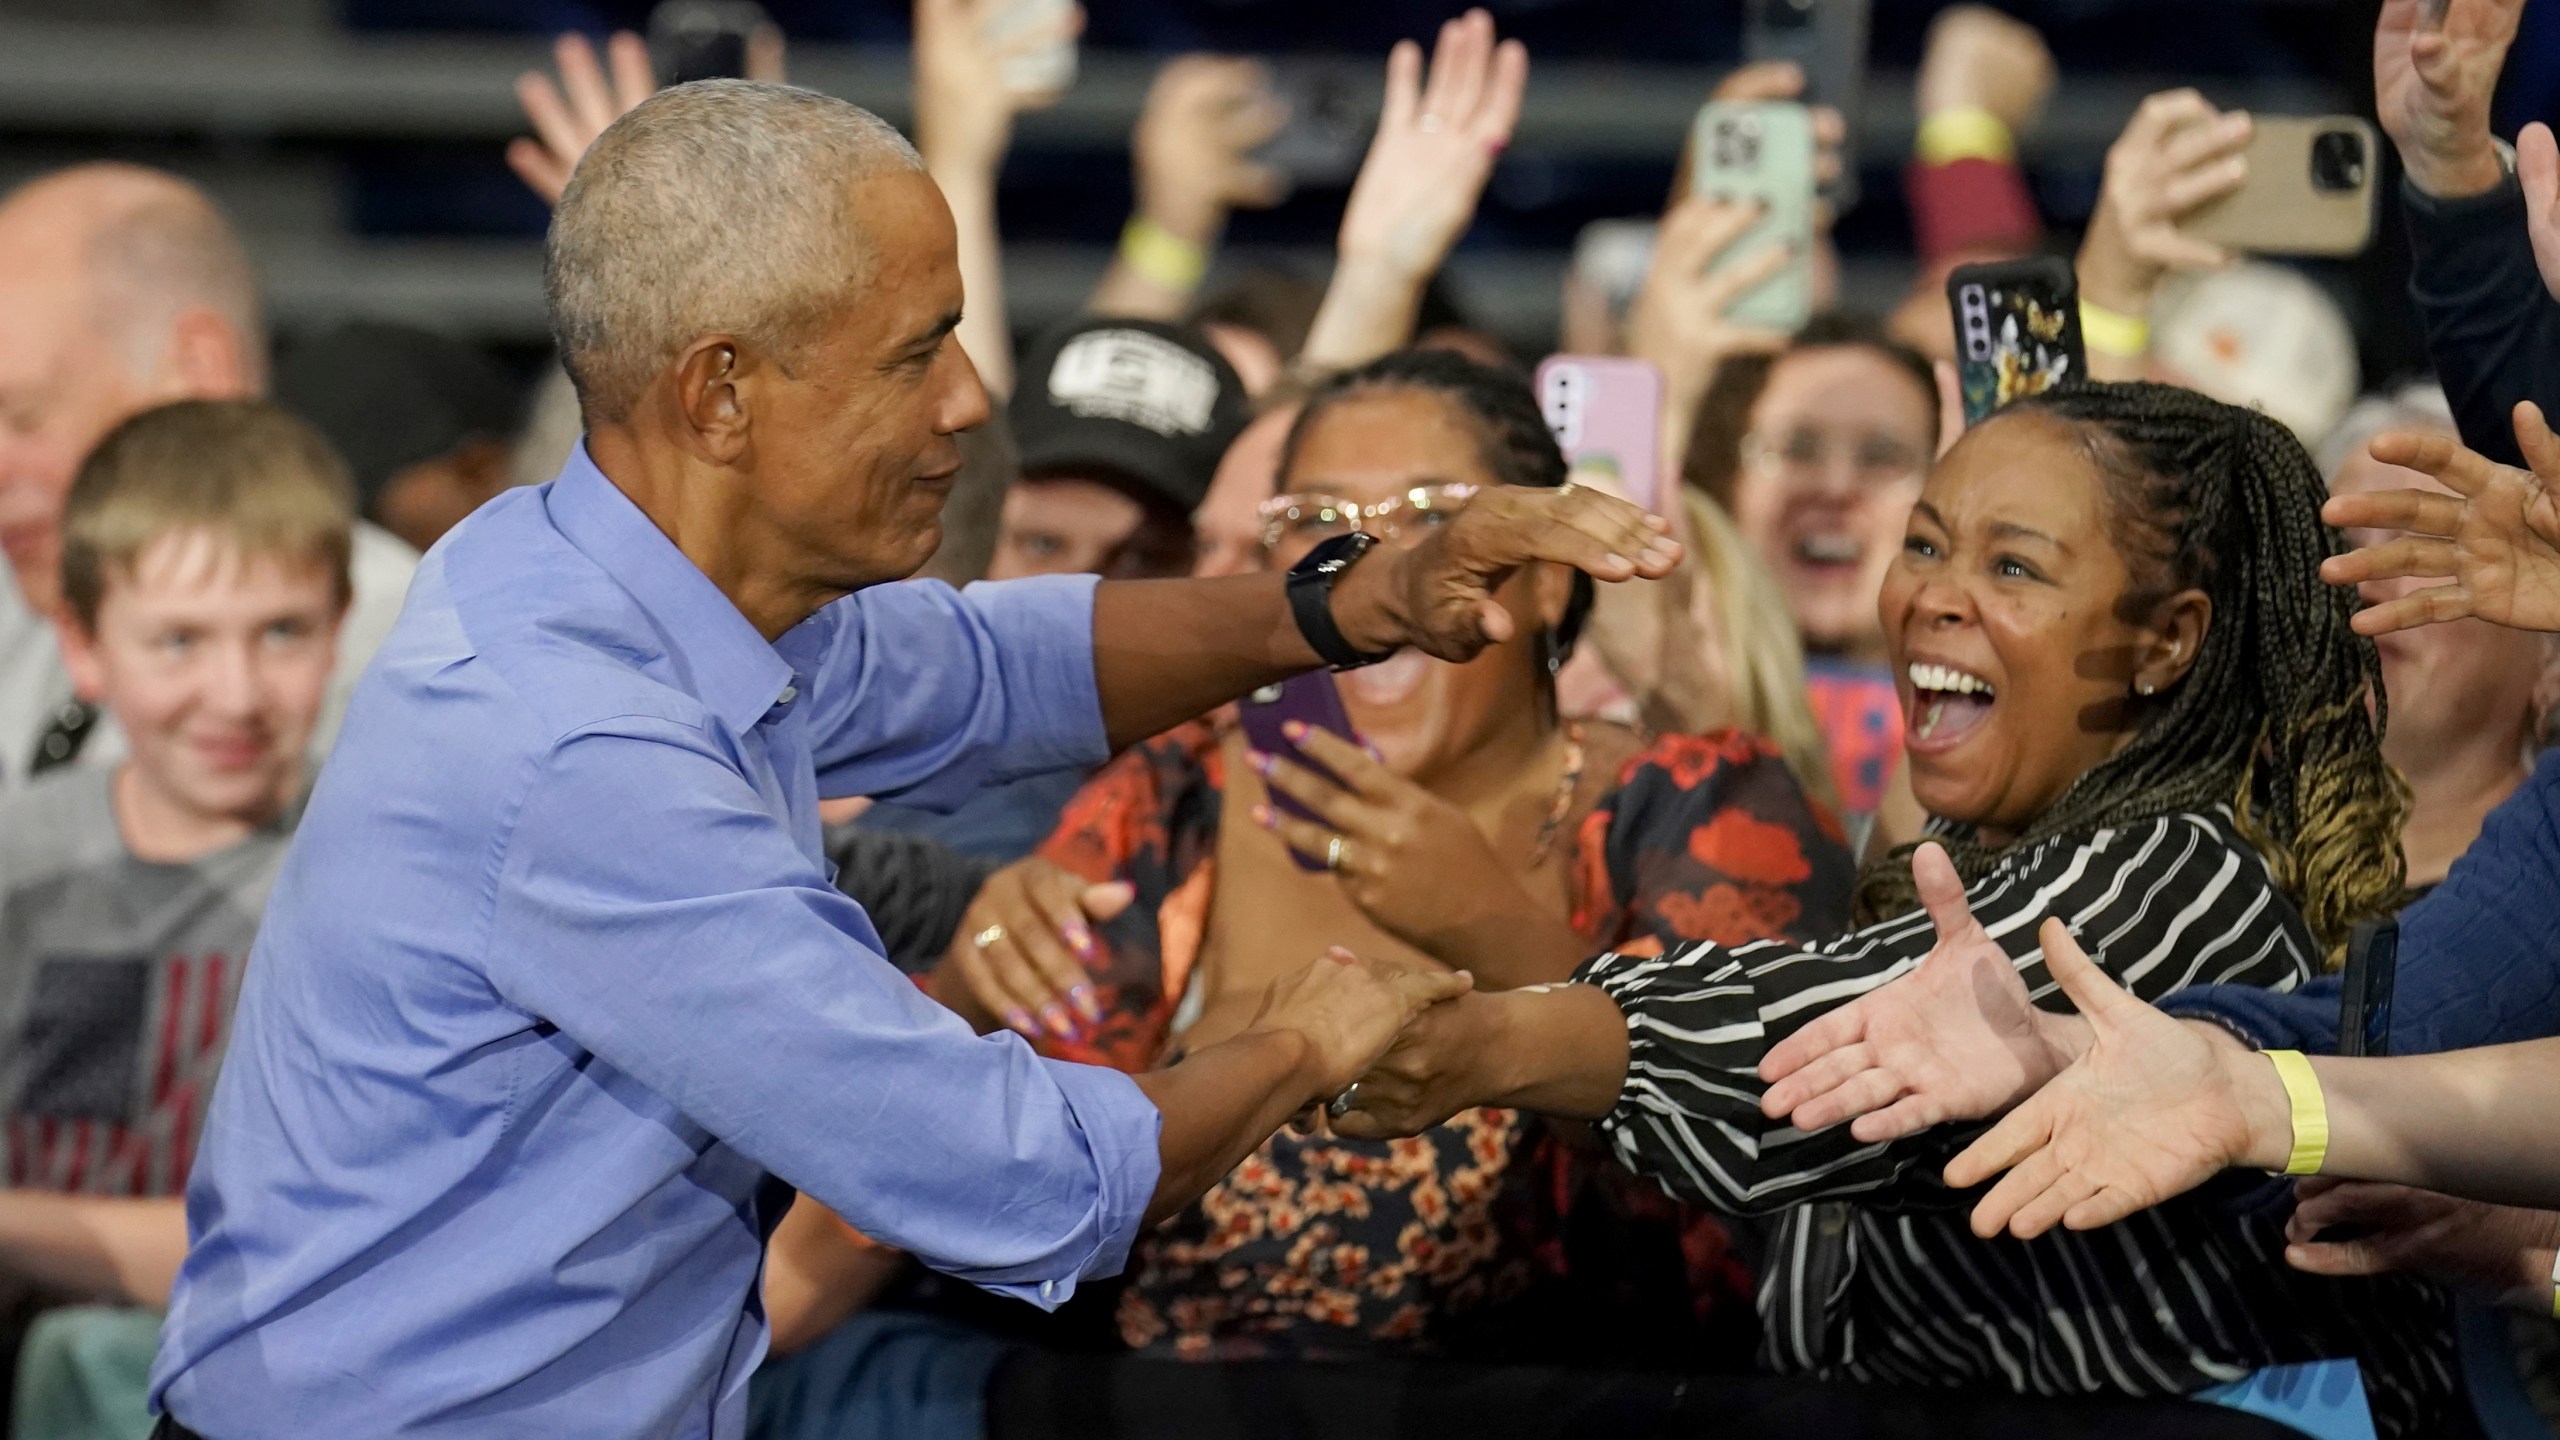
(1762, 151)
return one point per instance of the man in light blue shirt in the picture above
(554, 1005)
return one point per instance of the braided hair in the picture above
(1511, 434)
(2281, 715)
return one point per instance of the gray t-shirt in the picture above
(117, 977)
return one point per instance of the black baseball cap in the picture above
(1144, 406)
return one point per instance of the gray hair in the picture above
(2419, 405)
(718, 207)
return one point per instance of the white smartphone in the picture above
(1048, 70)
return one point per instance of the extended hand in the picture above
(1036, 919)
(2496, 539)
(2499, 1250)
(1437, 596)
(2432, 87)
(1956, 1039)
(1435, 147)
(1350, 1009)
(568, 116)
(2154, 1108)
(1977, 56)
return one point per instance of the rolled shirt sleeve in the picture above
(736, 984)
(932, 693)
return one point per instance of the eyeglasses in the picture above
(1315, 516)
(1876, 458)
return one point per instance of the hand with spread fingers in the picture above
(2495, 540)
(1955, 1039)
(2153, 1108)
(2501, 1251)
(1413, 862)
(2433, 80)
(569, 114)
(1022, 954)
(1437, 595)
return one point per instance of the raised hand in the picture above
(1435, 147)
(1021, 952)
(964, 108)
(1956, 1039)
(1437, 596)
(1978, 57)
(569, 115)
(2153, 1108)
(1417, 189)
(2498, 1250)
(1678, 319)
(1193, 148)
(2177, 153)
(2432, 85)
(1784, 80)
(2538, 170)
(2496, 539)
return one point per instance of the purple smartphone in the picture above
(1311, 698)
(1606, 412)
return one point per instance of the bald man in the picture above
(554, 1007)
(121, 288)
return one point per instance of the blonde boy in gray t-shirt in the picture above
(205, 554)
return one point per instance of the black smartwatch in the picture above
(1311, 598)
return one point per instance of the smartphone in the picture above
(2017, 330)
(1606, 412)
(2364, 1001)
(1313, 699)
(2309, 191)
(1049, 69)
(1326, 134)
(703, 39)
(1827, 39)
(1611, 257)
(1762, 151)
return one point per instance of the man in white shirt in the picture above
(121, 289)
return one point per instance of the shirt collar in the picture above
(720, 658)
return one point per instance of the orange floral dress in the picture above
(1487, 1235)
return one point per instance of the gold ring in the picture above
(987, 937)
(1333, 853)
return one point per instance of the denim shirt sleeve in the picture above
(2479, 957)
(938, 692)
(649, 906)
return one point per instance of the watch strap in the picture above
(1310, 588)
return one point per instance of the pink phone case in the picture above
(1606, 412)
(1311, 698)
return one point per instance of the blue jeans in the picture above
(882, 1375)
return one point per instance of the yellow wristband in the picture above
(1162, 258)
(2112, 332)
(1965, 132)
(2310, 1111)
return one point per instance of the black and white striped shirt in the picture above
(1893, 1288)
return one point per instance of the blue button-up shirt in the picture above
(555, 998)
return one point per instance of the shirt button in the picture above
(1048, 1289)
(789, 694)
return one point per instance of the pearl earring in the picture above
(2145, 687)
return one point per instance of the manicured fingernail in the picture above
(1083, 997)
(1020, 1022)
(1260, 762)
(1080, 940)
(1054, 1016)
(1294, 729)
(1262, 816)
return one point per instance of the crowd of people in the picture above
(732, 895)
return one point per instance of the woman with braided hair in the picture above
(2133, 705)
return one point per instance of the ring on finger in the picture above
(1333, 852)
(1343, 1102)
(988, 936)
(1428, 124)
